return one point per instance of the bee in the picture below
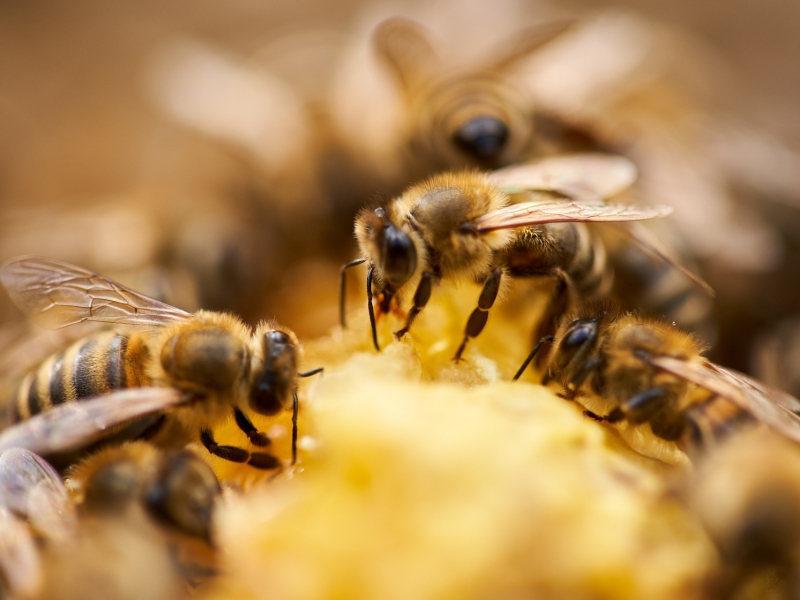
(205, 367)
(177, 489)
(651, 372)
(145, 526)
(460, 226)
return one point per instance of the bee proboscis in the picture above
(205, 367)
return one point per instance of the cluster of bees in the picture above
(504, 193)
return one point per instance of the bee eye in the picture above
(399, 257)
(272, 389)
(580, 332)
(580, 335)
(483, 137)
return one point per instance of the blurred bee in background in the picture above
(464, 117)
(459, 226)
(208, 366)
(145, 526)
(746, 495)
(637, 369)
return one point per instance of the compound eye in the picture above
(399, 256)
(483, 137)
(580, 332)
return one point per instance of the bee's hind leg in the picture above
(477, 320)
(246, 425)
(258, 460)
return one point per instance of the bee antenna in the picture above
(371, 310)
(521, 370)
(342, 282)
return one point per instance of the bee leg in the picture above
(595, 416)
(371, 310)
(421, 297)
(258, 460)
(477, 320)
(246, 425)
(342, 281)
(521, 370)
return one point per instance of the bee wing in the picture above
(649, 243)
(56, 294)
(766, 404)
(20, 564)
(74, 425)
(587, 178)
(32, 489)
(756, 387)
(561, 211)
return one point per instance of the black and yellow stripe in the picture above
(90, 367)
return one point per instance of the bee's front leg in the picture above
(244, 423)
(258, 460)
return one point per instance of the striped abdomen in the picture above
(90, 367)
(570, 248)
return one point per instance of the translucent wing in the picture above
(560, 211)
(74, 425)
(649, 243)
(20, 564)
(32, 489)
(756, 387)
(768, 405)
(56, 294)
(585, 178)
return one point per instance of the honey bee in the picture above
(207, 366)
(460, 226)
(177, 489)
(649, 371)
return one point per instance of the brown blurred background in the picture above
(74, 123)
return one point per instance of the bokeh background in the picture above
(74, 122)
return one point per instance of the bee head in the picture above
(272, 388)
(483, 136)
(578, 338)
(388, 246)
